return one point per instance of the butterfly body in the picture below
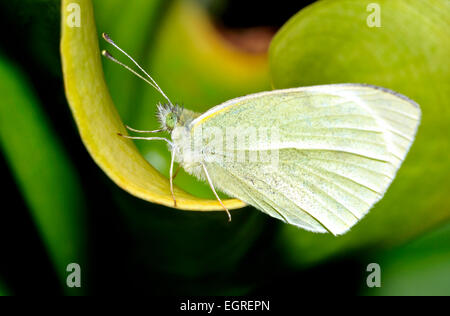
(182, 139)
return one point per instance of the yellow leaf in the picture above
(98, 121)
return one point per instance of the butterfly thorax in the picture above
(176, 120)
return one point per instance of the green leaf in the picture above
(331, 42)
(42, 170)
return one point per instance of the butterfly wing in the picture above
(338, 148)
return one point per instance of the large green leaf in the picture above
(43, 172)
(331, 42)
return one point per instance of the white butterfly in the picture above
(338, 148)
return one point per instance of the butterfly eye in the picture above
(171, 120)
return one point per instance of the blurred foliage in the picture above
(3, 290)
(192, 253)
(42, 170)
(420, 267)
(330, 42)
(145, 248)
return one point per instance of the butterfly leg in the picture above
(146, 138)
(214, 191)
(172, 160)
(139, 131)
(171, 177)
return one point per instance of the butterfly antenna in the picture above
(110, 57)
(153, 82)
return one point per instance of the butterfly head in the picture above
(169, 116)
